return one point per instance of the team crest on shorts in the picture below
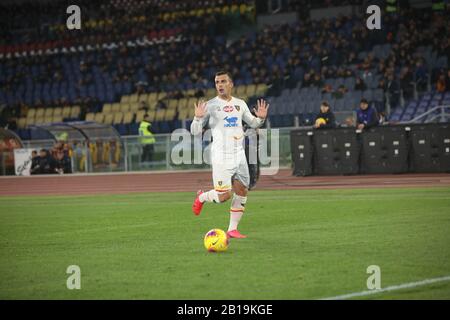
(238, 108)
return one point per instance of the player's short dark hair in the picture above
(223, 72)
(146, 116)
(325, 104)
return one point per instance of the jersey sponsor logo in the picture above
(228, 108)
(230, 122)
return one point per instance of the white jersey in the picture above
(225, 120)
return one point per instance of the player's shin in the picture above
(236, 211)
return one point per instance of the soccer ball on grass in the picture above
(216, 240)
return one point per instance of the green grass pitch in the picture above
(302, 245)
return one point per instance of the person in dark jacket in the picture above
(43, 164)
(366, 117)
(325, 118)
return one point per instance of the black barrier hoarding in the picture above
(430, 147)
(336, 151)
(384, 150)
(302, 152)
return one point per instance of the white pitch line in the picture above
(390, 288)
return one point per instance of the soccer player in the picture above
(224, 115)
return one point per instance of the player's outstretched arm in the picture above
(261, 113)
(200, 116)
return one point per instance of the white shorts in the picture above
(225, 169)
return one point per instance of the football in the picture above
(216, 240)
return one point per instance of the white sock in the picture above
(236, 211)
(210, 196)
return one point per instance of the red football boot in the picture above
(197, 205)
(235, 234)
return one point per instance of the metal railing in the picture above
(438, 113)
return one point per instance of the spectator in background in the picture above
(44, 163)
(62, 162)
(441, 85)
(34, 162)
(359, 84)
(366, 116)
(147, 139)
(325, 118)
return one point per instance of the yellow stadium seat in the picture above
(152, 106)
(57, 118)
(134, 98)
(48, 112)
(172, 103)
(31, 121)
(152, 97)
(118, 117)
(143, 97)
(128, 117)
(182, 103)
(161, 95)
(107, 108)
(140, 116)
(99, 117)
(190, 92)
(39, 120)
(241, 91)
(151, 115)
(57, 112)
(22, 123)
(170, 114)
(115, 107)
(191, 102)
(159, 116)
(40, 113)
(183, 114)
(125, 99)
(90, 116)
(210, 93)
(31, 113)
(66, 112)
(134, 107)
(124, 107)
(108, 119)
(251, 90)
(261, 89)
(75, 112)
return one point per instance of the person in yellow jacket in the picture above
(147, 139)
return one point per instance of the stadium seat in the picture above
(99, 117)
(57, 118)
(140, 116)
(22, 123)
(159, 116)
(128, 117)
(108, 118)
(118, 117)
(40, 113)
(172, 103)
(125, 99)
(48, 112)
(115, 107)
(107, 108)
(90, 116)
(57, 112)
(31, 113)
(75, 112)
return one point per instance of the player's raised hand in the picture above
(200, 109)
(261, 109)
